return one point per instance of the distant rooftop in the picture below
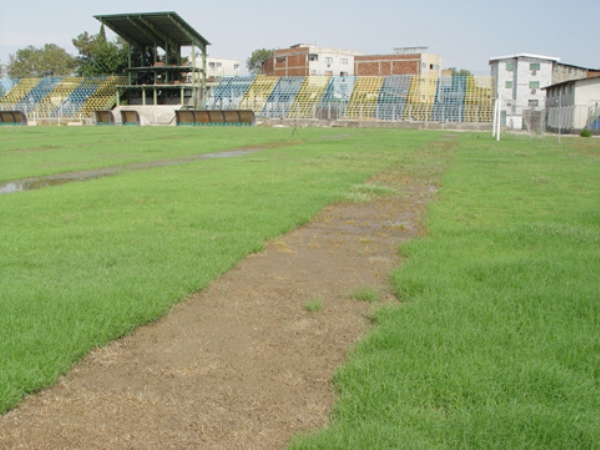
(525, 55)
(410, 50)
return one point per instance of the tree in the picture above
(39, 62)
(98, 56)
(460, 73)
(256, 60)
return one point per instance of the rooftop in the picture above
(150, 29)
(525, 55)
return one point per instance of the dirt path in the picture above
(241, 364)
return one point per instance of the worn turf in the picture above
(497, 343)
(86, 262)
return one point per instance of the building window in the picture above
(508, 85)
(534, 66)
(344, 61)
(281, 59)
(328, 59)
(236, 66)
(534, 103)
(211, 65)
(510, 67)
(313, 57)
(218, 65)
(570, 70)
(534, 85)
(570, 89)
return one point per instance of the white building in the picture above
(519, 81)
(574, 104)
(220, 67)
(310, 60)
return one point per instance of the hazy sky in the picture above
(464, 33)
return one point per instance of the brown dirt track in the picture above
(241, 364)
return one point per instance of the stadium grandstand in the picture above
(158, 76)
(392, 98)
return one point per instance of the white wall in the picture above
(331, 61)
(519, 92)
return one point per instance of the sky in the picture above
(464, 33)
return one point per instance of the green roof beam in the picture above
(163, 37)
(125, 36)
(191, 37)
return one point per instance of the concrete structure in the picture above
(404, 61)
(310, 60)
(519, 80)
(306, 59)
(222, 67)
(576, 102)
(565, 72)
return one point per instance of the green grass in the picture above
(366, 294)
(36, 151)
(314, 305)
(84, 263)
(497, 343)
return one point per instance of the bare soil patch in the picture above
(242, 364)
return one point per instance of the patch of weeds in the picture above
(366, 294)
(356, 197)
(585, 133)
(314, 305)
(380, 190)
(364, 193)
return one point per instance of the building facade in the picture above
(310, 60)
(404, 61)
(575, 104)
(565, 72)
(220, 67)
(519, 80)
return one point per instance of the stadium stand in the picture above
(309, 95)
(398, 97)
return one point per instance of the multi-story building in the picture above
(519, 80)
(404, 61)
(306, 59)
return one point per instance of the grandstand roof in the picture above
(149, 29)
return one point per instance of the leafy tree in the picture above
(98, 56)
(38, 62)
(256, 60)
(460, 73)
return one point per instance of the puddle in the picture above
(29, 184)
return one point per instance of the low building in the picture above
(574, 104)
(565, 72)
(310, 60)
(404, 61)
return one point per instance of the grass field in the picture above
(84, 263)
(496, 343)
